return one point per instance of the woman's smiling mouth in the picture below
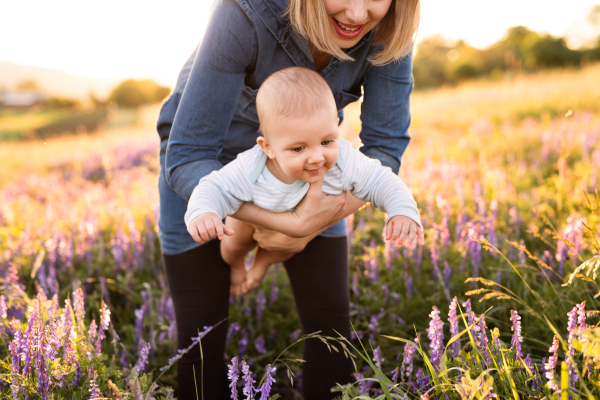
(347, 31)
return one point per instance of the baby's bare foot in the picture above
(237, 278)
(263, 260)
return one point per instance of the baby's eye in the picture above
(326, 142)
(297, 149)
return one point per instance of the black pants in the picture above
(199, 282)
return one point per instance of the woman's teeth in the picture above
(346, 29)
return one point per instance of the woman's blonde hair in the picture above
(395, 32)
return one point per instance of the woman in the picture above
(211, 117)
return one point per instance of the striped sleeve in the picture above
(222, 192)
(369, 181)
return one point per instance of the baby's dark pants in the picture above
(199, 283)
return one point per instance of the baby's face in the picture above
(305, 149)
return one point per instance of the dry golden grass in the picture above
(443, 120)
(42, 155)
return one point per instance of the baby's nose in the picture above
(315, 158)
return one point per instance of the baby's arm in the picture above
(219, 194)
(208, 226)
(370, 181)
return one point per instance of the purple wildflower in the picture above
(386, 293)
(454, 330)
(248, 381)
(535, 384)
(94, 389)
(422, 381)
(15, 351)
(259, 343)
(572, 324)
(481, 339)
(550, 366)
(397, 319)
(232, 375)
(395, 375)
(261, 303)
(274, 291)
(144, 350)
(362, 384)
(3, 307)
(407, 361)
(377, 357)
(77, 377)
(447, 274)
(78, 305)
(435, 334)
(517, 336)
(243, 343)
(265, 389)
(295, 335)
(233, 329)
(27, 342)
(469, 311)
(581, 315)
(104, 323)
(408, 281)
(355, 289)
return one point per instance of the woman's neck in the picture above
(320, 59)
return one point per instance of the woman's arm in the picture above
(209, 99)
(385, 112)
(315, 213)
(273, 240)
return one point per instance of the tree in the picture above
(133, 93)
(29, 84)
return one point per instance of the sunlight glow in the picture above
(151, 39)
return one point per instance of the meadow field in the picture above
(495, 305)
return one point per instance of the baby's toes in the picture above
(235, 290)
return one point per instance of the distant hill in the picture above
(54, 82)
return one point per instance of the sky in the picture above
(152, 39)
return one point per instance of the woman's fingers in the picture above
(411, 235)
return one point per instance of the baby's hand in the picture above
(208, 226)
(403, 230)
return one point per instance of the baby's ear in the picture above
(265, 146)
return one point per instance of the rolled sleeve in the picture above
(209, 99)
(385, 112)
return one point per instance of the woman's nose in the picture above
(356, 11)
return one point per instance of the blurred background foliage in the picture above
(440, 62)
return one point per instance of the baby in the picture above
(299, 146)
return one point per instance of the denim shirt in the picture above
(210, 116)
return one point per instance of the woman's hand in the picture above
(275, 241)
(316, 212)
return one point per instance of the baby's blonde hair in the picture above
(292, 93)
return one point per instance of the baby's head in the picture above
(299, 122)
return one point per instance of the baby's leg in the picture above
(262, 261)
(234, 249)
